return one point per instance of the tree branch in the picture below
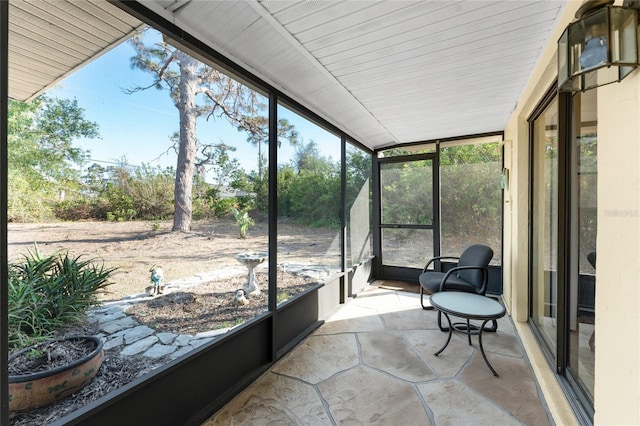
(140, 88)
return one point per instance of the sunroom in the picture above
(443, 126)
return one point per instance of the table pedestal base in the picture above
(468, 329)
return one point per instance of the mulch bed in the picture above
(212, 306)
(203, 307)
(49, 355)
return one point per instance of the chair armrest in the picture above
(438, 258)
(485, 277)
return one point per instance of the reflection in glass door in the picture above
(583, 207)
(544, 222)
(408, 216)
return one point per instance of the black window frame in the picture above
(582, 406)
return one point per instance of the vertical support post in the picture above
(564, 248)
(435, 168)
(377, 218)
(343, 218)
(4, 303)
(273, 218)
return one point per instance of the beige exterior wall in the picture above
(617, 375)
(516, 232)
(617, 386)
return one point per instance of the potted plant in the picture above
(52, 370)
(48, 294)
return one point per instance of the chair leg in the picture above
(426, 308)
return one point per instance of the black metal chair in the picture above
(470, 275)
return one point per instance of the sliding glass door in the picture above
(583, 215)
(563, 217)
(544, 225)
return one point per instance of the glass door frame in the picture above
(396, 272)
(582, 407)
(585, 403)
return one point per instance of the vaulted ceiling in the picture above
(385, 72)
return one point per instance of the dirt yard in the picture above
(135, 247)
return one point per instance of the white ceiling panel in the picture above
(388, 71)
(385, 72)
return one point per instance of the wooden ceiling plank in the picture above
(54, 27)
(114, 18)
(47, 44)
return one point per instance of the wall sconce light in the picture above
(600, 47)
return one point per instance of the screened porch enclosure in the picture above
(437, 199)
(371, 213)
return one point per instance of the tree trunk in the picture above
(187, 148)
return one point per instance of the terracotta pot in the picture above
(45, 387)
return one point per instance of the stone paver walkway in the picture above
(121, 332)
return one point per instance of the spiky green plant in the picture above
(51, 292)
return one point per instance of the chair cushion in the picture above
(475, 255)
(430, 281)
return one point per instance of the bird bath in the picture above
(251, 260)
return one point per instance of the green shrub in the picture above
(81, 209)
(144, 194)
(49, 293)
(260, 187)
(314, 198)
(201, 209)
(212, 207)
(27, 204)
(123, 215)
(403, 201)
(222, 207)
(471, 200)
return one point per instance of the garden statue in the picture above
(157, 276)
(240, 298)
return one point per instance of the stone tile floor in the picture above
(372, 362)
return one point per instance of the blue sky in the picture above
(138, 126)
